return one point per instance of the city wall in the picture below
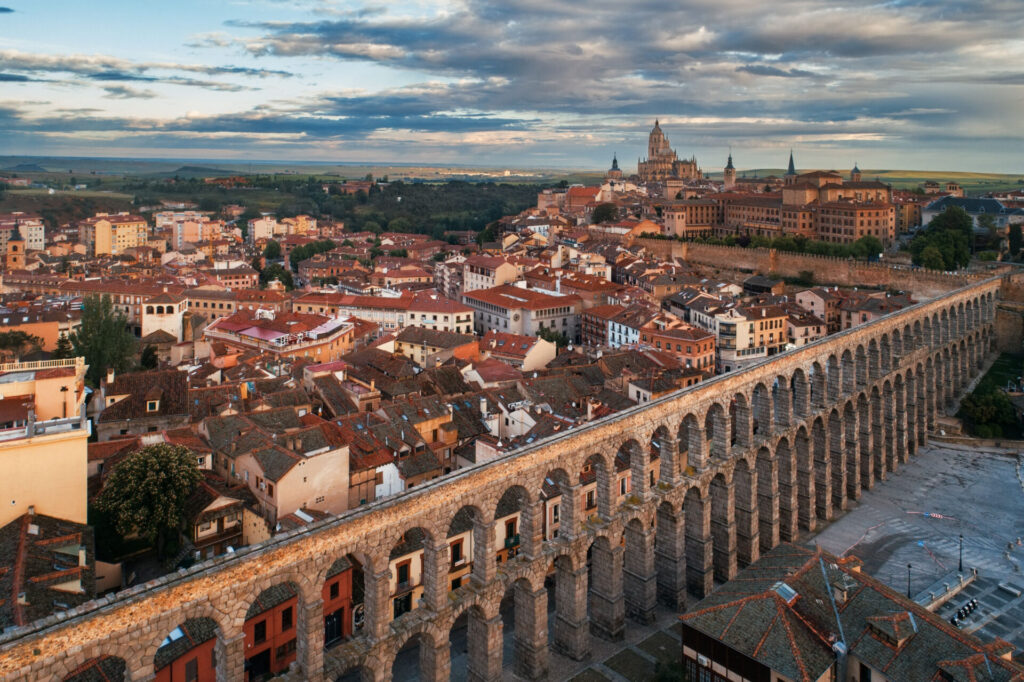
(922, 284)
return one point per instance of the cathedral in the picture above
(662, 163)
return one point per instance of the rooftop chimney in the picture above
(110, 376)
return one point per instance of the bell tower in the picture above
(15, 257)
(729, 175)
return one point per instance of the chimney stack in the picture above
(110, 376)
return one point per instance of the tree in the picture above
(555, 337)
(272, 251)
(275, 271)
(931, 258)
(604, 213)
(149, 359)
(103, 338)
(63, 348)
(148, 490)
(372, 226)
(17, 343)
(400, 224)
(1016, 240)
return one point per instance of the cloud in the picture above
(14, 78)
(5, 10)
(125, 92)
(765, 70)
(545, 80)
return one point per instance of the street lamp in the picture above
(908, 581)
(961, 568)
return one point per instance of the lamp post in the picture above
(961, 567)
(908, 581)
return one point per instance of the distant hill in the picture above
(26, 168)
(194, 172)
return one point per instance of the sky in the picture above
(898, 84)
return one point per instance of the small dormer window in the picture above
(152, 405)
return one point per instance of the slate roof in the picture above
(194, 631)
(791, 631)
(269, 598)
(173, 400)
(37, 554)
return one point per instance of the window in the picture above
(259, 632)
(286, 619)
(285, 649)
(402, 571)
(623, 486)
(456, 550)
(192, 670)
(591, 499)
(152, 405)
(335, 590)
(270, 489)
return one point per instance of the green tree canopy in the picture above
(148, 490)
(275, 271)
(63, 348)
(931, 258)
(604, 213)
(17, 343)
(149, 358)
(272, 251)
(103, 338)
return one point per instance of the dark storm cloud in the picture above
(14, 78)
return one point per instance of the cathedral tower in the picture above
(855, 173)
(729, 175)
(15, 257)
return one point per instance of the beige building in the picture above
(108, 234)
(43, 439)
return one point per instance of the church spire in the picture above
(615, 161)
(729, 165)
(792, 166)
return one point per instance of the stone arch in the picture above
(716, 428)
(878, 434)
(630, 457)
(470, 540)
(639, 576)
(723, 528)
(835, 379)
(524, 612)
(197, 641)
(849, 372)
(745, 490)
(782, 403)
(960, 322)
(874, 360)
(821, 471)
(837, 462)
(943, 327)
(604, 581)
(670, 556)
(918, 336)
(274, 627)
(800, 389)
(483, 642)
(149, 310)
(767, 500)
(699, 561)
(861, 364)
(929, 337)
(102, 667)
(819, 382)
(596, 479)
(420, 652)
(740, 422)
(159, 310)
(851, 450)
(805, 481)
(515, 521)
(885, 354)
(903, 413)
(786, 463)
(762, 411)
